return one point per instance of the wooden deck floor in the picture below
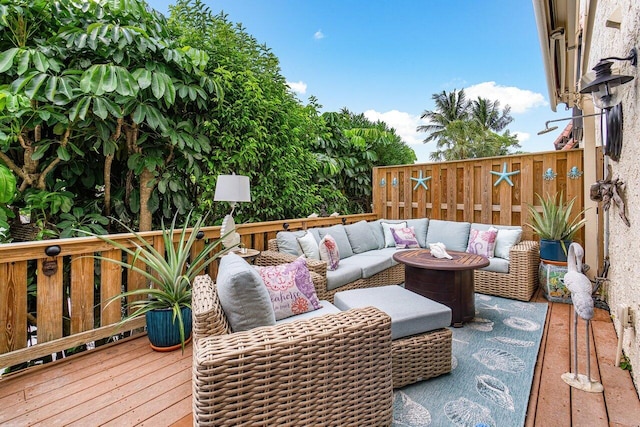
(128, 384)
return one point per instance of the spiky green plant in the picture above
(169, 275)
(555, 222)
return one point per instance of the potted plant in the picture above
(554, 226)
(166, 303)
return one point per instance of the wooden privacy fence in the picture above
(71, 288)
(467, 190)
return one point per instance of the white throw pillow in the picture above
(389, 241)
(309, 246)
(505, 240)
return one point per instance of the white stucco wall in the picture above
(624, 248)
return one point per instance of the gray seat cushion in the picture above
(343, 275)
(327, 308)
(497, 265)
(385, 252)
(369, 264)
(454, 235)
(243, 296)
(410, 313)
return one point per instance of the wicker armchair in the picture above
(329, 370)
(522, 280)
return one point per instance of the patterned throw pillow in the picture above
(482, 242)
(290, 288)
(405, 237)
(329, 252)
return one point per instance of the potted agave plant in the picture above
(166, 303)
(554, 226)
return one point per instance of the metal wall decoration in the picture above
(394, 182)
(549, 175)
(420, 181)
(574, 173)
(383, 182)
(504, 175)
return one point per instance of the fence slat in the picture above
(13, 306)
(49, 299)
(82, 285)
(110, 286)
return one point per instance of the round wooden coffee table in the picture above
(447, 281)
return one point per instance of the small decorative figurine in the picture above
(439, 250)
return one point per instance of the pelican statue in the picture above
(581, 290)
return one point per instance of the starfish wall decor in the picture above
(420, 181)
(504, 175)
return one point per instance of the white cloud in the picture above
(522, 136)
(318, 35)
(520, 100)
(298, 87)
(405, 124)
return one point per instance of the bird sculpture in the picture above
(580, 287)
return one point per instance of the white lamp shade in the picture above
(232, 188)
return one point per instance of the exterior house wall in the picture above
(624, 247)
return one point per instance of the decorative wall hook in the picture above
(504, 175)
(574, 173)
(549, 175)
(383, 182)
(394, 182)
(420, 181)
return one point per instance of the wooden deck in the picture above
(129, 384)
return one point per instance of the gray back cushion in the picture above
(377, 233)
(288, 242)
(454, 235)
(420, 226)
(360, 237)
(243, 296)
(340, 236)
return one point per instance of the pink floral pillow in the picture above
(290, 288)
(329, 252)
(405, 237)
(482, 242)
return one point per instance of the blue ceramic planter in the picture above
(552, 250)
(161, 329)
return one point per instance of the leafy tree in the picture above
(450, 107)
(101, 82)
(467, 129)
(350, 148)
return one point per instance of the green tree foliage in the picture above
(95, 95)
(349, 149)
(465, 129)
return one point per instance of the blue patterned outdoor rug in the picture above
(494, 358)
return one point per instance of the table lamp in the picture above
(233, 189)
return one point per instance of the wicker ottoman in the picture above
(421, 346)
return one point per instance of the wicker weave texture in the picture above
(522, 280)
(207, 314)
(420, 357)
(330, 370)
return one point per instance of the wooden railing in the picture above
(465, 191)
(72, 287)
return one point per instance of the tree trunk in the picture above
(145, 194)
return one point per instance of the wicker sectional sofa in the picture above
(334, 369)
(511, 274)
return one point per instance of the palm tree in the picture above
(450, 107)
(488, 114)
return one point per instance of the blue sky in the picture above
(387, 58)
